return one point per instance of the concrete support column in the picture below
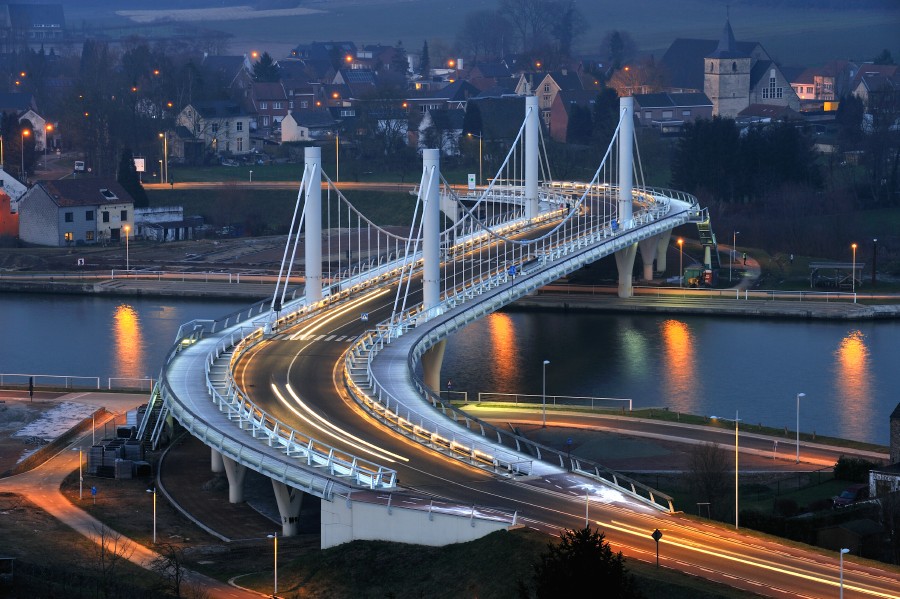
(661, 249)
(431, 222)
(648, 253)
(431, 365)
(235, 473)
(626, 161)
(532, 149)
(215, 461)
(625, 265)
(707, 257)
(312, 226)
(289, 500)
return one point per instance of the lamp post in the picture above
(843, 551)
(153, 490)
(736, 494)
(480, 160)
(799, 395)
(733, 250)
(25, 133)
(680, 262)
(274, 537)
(127, 265)
(80, 476)
(337, 158)
(544, 396)
(853, 271)
(251, 175)
(874, 258)
(48, 128)
(165, 169)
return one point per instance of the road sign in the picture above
(656, 537)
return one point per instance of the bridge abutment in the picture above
(289, 500)
(235, 473)
(625, 266)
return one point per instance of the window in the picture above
(89, 236)
(277, 106)
(215, 128)
(685, 113)
(733, 67)
(304, 104)
(772, 92)
(123, 216)
(105, 216)
(710, 66)
(239, 126)
(666, 114)
(240, 144)
(70, 217)
(290, 104)
(648, 115)
(88, 215)
(263, 105)
(69, 236)
(349, 112)
(265, 121)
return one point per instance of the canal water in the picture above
(850, 372)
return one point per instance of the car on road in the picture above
(851, 495)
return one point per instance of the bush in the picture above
(853, 470)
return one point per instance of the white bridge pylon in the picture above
(517, 219)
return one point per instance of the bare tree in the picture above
(170, 565)
(708, 474)
(108, 553)
(485, 34)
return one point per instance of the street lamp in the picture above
(153, 490)
(843, 551)
(165, 170)
(853, 272)
(48, 128)
(480, 160)
(337, 157)
(736, 422)
(25, 133)
(251, 175)
(680, 262)
(80, 476)
(733, 250)
(874, 258)
(799, 395)
(127, 228)
(274, 538)
(544, 396)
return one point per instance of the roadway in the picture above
(296, 377)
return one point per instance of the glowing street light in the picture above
(843, 551)
(127, 229)
(853, 272)
(799, 395)
(337, 156)
(544, 396)
(680, 262)
(48, 128)
(165, 172)
(153, 490)
(25, 133)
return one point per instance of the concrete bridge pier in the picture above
(235, 473)
(661, 248)
(289, 500)
(532, 149)
(625, 266)
(648, 254)
(431, 365)
(707, 257)
(216, 463)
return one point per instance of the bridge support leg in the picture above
(216, 464)
(532, 148)
(661, 249)
(707, 256)
(648, 253)
(431, 234)
(625, 265)
(431, 365)
(312, 224)
(235, 473)
(626, 165)
(289, 501)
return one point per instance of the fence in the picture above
(62, 381)
(594, 403)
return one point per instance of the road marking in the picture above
(330, 337)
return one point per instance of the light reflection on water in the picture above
(700, 365)
(128, 350)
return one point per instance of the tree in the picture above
(569, 23)
(425, 61)
(617, 49)
(169, 564)
(265, 70)
(580, 565)
(400, 62)
(127, 177)
(849, 118)
(708, 474)
(108, 554)
(580, 125)
(484, 34)
(605, 118)
(707, 158)
(884, 57)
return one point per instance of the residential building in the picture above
(32, 26)
(75, 212)
(564, 104)
(668, 112)
(9, 220)
(232, 73)
(270, 104)
(309, 125)
(441, 129)
(220, 126)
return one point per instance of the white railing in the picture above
(568, 401)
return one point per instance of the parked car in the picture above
(851, 495)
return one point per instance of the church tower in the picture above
(726, 78)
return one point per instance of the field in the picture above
(792, 33)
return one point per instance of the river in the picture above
(702, 365)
